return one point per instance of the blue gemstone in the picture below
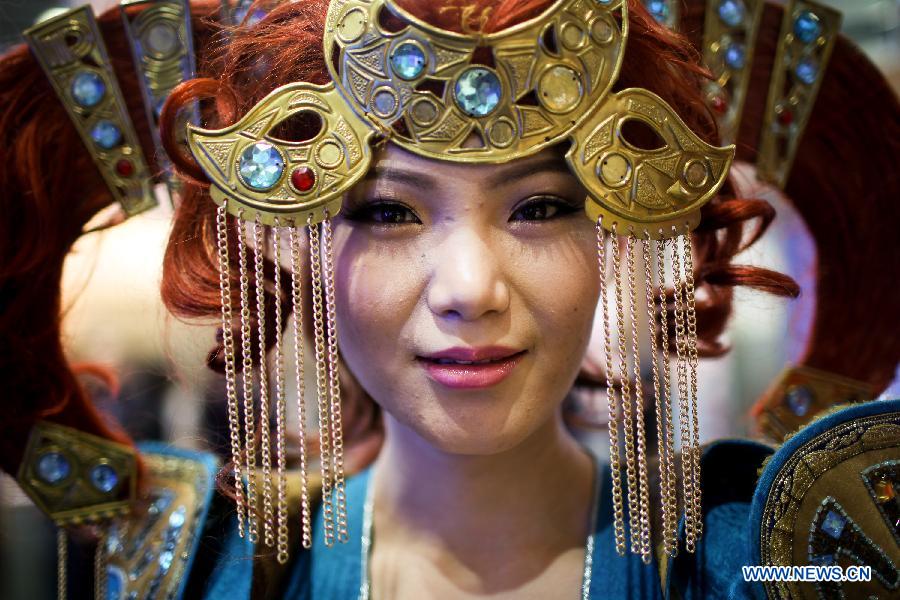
(735, 56)
(106, 135)
(408, 60)
(807, 27)
(53, 467)
(659, 9)
(261, 166)
(88, 89)
(799, 398)
(806, 70)
(732, 12)
(833, 524)
(478, 91)
(115, 583)
(104, 477)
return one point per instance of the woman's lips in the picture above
(467, 368)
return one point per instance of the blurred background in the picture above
(114, 317)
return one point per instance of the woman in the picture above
(439, 265)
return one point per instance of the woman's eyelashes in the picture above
(383, 212)
(543, 208)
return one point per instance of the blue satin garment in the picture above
(729, 471)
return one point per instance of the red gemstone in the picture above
(125, 167)
(786, 116)
(303, 179)
(719, 104)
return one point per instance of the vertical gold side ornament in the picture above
(808, 33)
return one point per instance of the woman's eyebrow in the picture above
(416, 179)
(518, 170)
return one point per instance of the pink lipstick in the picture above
(468, 368)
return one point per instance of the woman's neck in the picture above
(531, 502)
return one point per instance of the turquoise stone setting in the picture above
(408, 60)
(88, 89)
(261, 166)
(478, 91)
(106, 134)
(806, 70)
(735, 56)
(104, 477)
(53, 467)
(807, 27)
(732, 12)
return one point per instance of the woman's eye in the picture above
(387, 213)
(542, 209)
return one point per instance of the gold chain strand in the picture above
(297, 305)
(234, 423)
(62, 559)
(628, 424)
(280, 407)
(100, 569)
(671, 528)
(337, 435)
(649, 254)
(315, 261)
(615, 467)
(681, 372)
(247, 378)
(643, 491)
(259, 244)
(694, 364)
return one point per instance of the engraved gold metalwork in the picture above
(645, 189)
(160, 35)
(728, 52)
(74, 499)
(796, 78)
(219, 152)
(70, 46)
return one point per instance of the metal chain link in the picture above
(62, 560)
(671, 500)
(643, 491)
(297, 303)
(615, 466)
(628, 424)
(694, 360)
(100, 569)
(337, 434)
(649, 255)
(234, 423)
(681, 371)
(280, 408)
(321, 381)
(259, 244)
(247, 379)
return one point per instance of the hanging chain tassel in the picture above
(615, 467)
(667, 450)
(62, 560)
(648, 254)
(315, 261)
(297, 304)
(100, 557)
(643, 489)
(259, 247)
(681, 345)
(234, 424)
(247, 378)
(693, 364)
(627, 407)
(334, 389)
(280, 408)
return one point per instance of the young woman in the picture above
(465, 297)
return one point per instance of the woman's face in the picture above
(441, 265)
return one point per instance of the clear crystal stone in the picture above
(478, 91)
(261, 166)
(408, 60)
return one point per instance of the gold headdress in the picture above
(548, 81)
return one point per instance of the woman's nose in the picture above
(467, 280)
